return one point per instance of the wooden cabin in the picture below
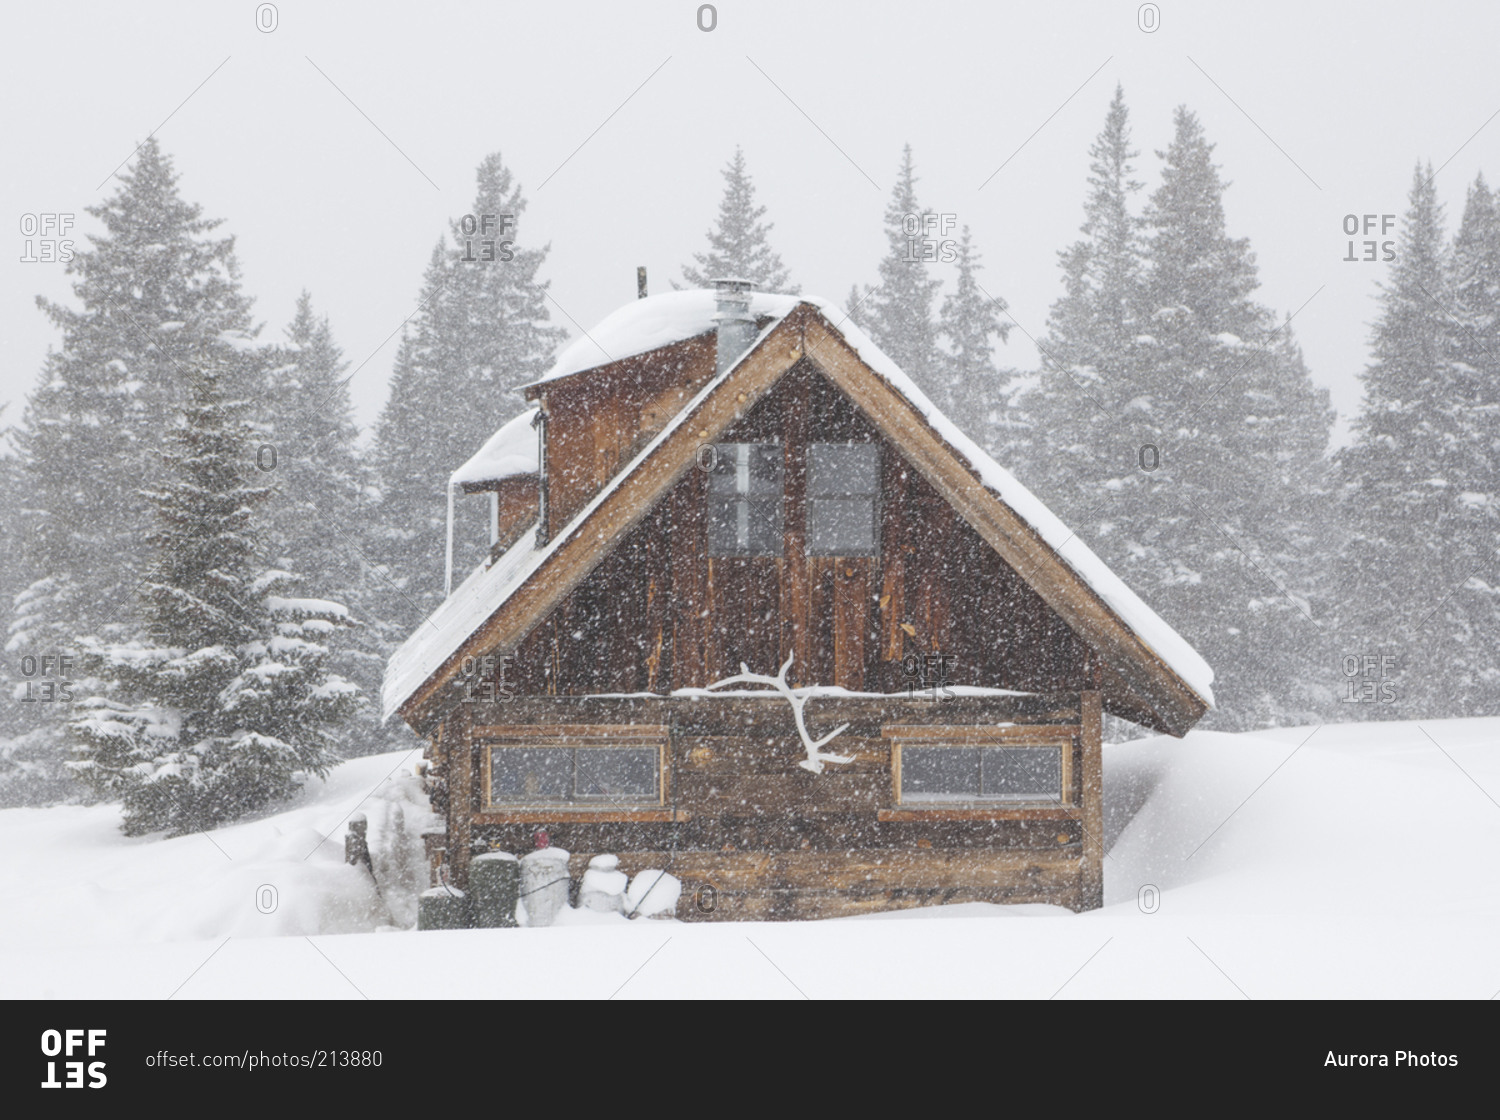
(724, 486)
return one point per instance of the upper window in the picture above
(843, 482)
(745, 500)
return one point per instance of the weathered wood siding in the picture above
(659, 613)
(752, 835)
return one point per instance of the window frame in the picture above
(574, 738)
(1064, 738)
(872, 496)
(748, 499)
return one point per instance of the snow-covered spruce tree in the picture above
(227, 705)
(1230, 532)
(970, 383)
(1419, 482)
(739, 245)
(30, 772)
(1089, 349)
(898, 313)
(853, 305)
(322, 494)
(481, 331)
(1473, 277)
(156, 294)
(315, 470)
(1186, 436)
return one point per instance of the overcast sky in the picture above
(337, 145)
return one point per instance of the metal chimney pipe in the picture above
(543, 512)
(736, 326)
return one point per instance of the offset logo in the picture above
(66, 1044)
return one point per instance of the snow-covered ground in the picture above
(1354, 860)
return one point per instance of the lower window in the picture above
(981, 773)
(601, 774)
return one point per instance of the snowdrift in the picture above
(1349, 860)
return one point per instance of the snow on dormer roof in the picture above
(651, 323)
(509, 452)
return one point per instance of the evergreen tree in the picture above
(970, 385)
(1473, 277)
(226, 705)
(1419, 480)
(852, 305)
(739, 246)
(1189, 430)
(898, 314)
(1089, 350)
(481, 331)
(30, 772)
(1233, 536)
(158, 296)
(316, 519)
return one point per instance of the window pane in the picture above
(745, 500)
(939, 773)
(765, 463)
(836, 469)
(724, 477)
(1023, 773)
(617, 773)
(763, 518)
(531, 773)
(841, 526)
(746, 468)
(724, 528)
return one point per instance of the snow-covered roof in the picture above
(651, 323)
(509, 452)
(683, 315)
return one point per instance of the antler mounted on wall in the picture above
(815, 758)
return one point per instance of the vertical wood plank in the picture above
(1091, 884)
(893, 543)
(461, 803)
(689, 583)
(797, 611)
(851, 611)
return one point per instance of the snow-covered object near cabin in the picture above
(603, 886)
(544, 885)
(658, 321)
(653, 894)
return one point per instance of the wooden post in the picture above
(796, 605)
(1091, 875)
(460, 802)
(689, 590)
